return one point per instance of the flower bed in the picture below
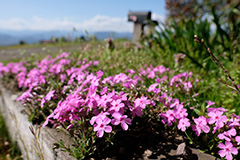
(32, 148)
(95, 107)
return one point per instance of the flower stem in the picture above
(191, 142)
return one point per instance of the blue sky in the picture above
(91, 15)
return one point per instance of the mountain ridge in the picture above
(30, 37)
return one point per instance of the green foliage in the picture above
(7, 149)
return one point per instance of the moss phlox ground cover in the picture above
(68, 92)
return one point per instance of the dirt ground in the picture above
(8, 53)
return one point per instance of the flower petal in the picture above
(108, 129)
(229, 156)
(222, 153)
(124, 126)
(100, 133)
(221, 145)
(234, 150)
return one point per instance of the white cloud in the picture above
(97, 23)
(158, 17)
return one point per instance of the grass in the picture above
(8, 150)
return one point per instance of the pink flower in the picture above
(234, 121)
(201, 125)
(183, 123)
(130, 71)
(218, 119)
(180, 112)
(116, 105)
(49, 95)
(42, 102)
(210, 103)
(220, 109)
(153, 88)
(227, 134)
(237, 138)
(227, 150)
(101, 115)
(121, 119)
(104, 100)
(168, 117)
(142, 102)
(102, 126)
(136, 111)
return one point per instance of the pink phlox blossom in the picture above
(34, 78)
(95, 63)
(183, 123)
(101, 115)
(104, 90)
(63, 55)
(130, 71)
(151, 74)
(99, 74)
(104, 100)
(71, 71)
(161, 69)
(116, 105)
(136, 79)
(218, 119)
(187, 86)
(175, 78)
(175, 103)
(42, 102)
(95, 81)
(122, 95)
(178, 78)
(142, 102)
(80, 77)
(142, 72)
(16, 67)
(220, 109)
(50, 95)
(121, 77)
(25, 96)
(47, 120)
(128, 83)
(210, 103)
(234, 121)
(201, 125)
(180, 112)
(227, 150)
(64, 62)
(161, 80)
(121, 119)
(92, 100)
(157, 80)
(153, 88)
(85, 66)
(237, 138)
(136, 111)
(55, 68)
(168, 117)
(102, 126)
(21, 77)
(228, 134)
(108, 80)
(63, 77)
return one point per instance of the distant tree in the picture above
(225, 14)
(80, 39)
(197, 9)
(22, 42)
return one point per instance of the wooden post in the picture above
(137, 32)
